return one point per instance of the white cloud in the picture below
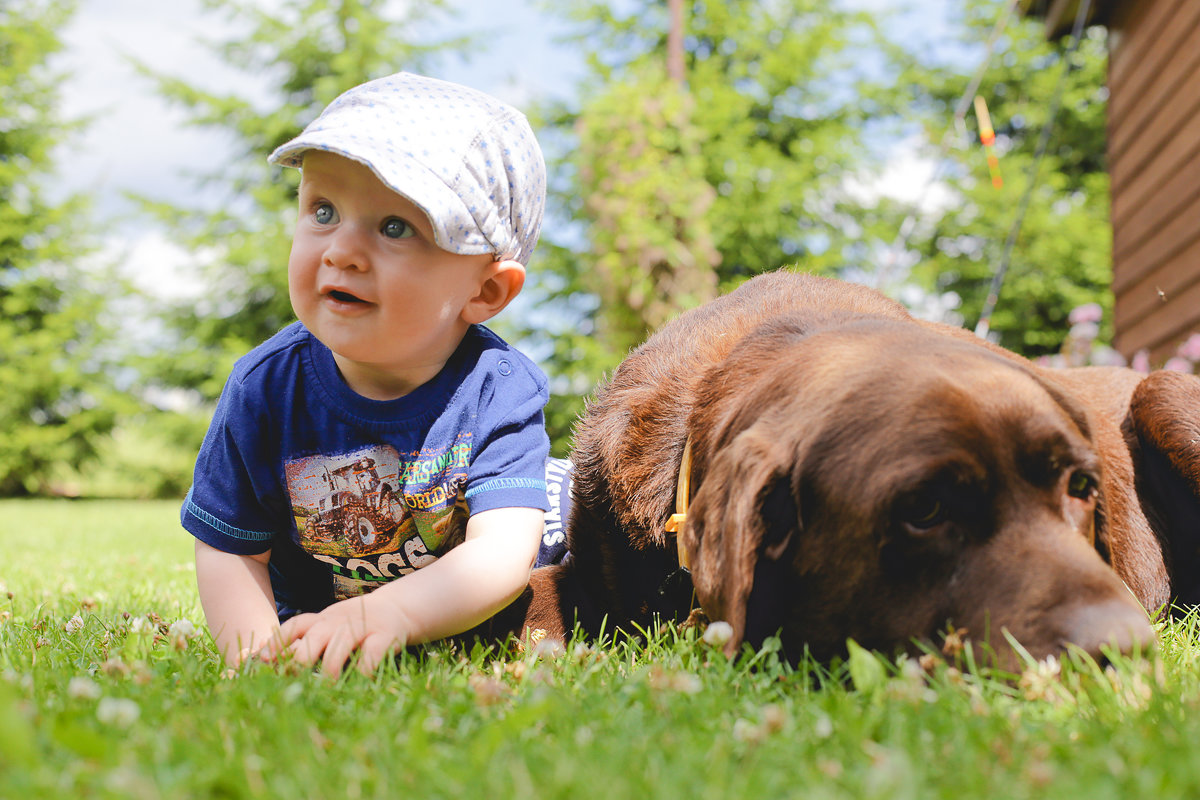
(158, 266)
(909, 175)
(135, 142)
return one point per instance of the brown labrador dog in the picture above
(857, 473)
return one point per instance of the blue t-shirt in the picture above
(349, 493)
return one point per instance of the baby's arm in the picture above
(455, 593)
(239, 606)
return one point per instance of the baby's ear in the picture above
(502, 282)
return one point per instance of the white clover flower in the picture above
(662, 680)
(774, 718)
(583, 652)
(746, 731)
(549, 647)
(74, 624)
(182, 628)
(488, 691)
(911, 670)
(82, 688)
(1040, 680)
(141, 625)
(118, 711)
(116, 667)
(718, 633)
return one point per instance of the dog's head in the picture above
(880, 482)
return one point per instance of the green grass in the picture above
(95, 703)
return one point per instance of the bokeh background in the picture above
(691, 145)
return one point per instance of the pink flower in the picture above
(1141, 361)
(1190, 349)
(1178, 364)
(1089, 312)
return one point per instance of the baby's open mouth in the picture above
(345, 297)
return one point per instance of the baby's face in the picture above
(366, 278)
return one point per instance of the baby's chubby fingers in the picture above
(374, 649)
(333, 635)
(309, 647)
(288, 632)
(338, 648)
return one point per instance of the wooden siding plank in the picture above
(1170, 102)
(1179, 232)
(1132, 104)
(1134, 218)
(1158, 287)
(1163, 331)
(1132, 188)
(1168, 349)
(1154, 166)
(1123, 36)
(1144, 48)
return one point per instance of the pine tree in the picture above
(55, 403)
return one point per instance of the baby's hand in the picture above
(374, 629)
(456, 592)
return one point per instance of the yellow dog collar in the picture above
(682, 496)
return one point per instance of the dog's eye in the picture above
(1081, 485)
(924, 513)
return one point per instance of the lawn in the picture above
(103, 693)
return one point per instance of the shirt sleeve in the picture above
(509, 470)
(229, 506)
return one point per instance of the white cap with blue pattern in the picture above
(469, 161)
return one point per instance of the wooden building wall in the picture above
(1154, 163)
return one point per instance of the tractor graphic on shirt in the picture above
(359, 510)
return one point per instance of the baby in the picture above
(387, 435)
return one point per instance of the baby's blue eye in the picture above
(324, 214)
(396, 228)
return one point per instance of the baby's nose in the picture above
(346, 250)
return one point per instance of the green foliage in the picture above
(56, 401)
(673, 191)
(663, 194)
(306, 53)
(640, 173)
(150, 454)
(1062, 258)
(110, 688)
(786, 107)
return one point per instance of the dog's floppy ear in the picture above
(741, 521)
(1165, 415)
